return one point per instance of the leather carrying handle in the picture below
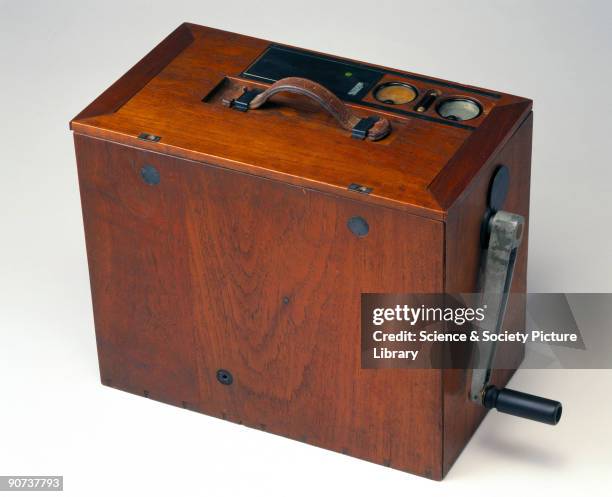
(370, 128)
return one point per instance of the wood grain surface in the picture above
(212, 269)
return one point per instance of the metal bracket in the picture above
(242, 102)
(149, 137)
(356, 187)
(506, 233)
(360, 130)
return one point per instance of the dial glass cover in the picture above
(395, 93)
(459, 109)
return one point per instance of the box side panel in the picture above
(461, 416)
(214, 269)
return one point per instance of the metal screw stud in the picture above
(358, 226)
(150, 175)
(225, 377)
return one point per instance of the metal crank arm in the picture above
(505, 234)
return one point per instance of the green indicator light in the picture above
(348, 74)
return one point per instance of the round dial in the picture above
(395, 93)
(459, 109)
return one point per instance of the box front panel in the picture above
(196, 269)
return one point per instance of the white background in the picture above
(55, 417)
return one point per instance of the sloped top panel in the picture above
(177, 92)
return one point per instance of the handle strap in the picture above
(372, 128)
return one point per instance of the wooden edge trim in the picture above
(82, 129)
(139, 75)
(490, 137)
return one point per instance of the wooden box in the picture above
(224, 276)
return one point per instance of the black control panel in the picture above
(348, 81)
(413, 95)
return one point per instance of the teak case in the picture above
(218, 240)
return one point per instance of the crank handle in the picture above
(523, 405)
(505, 234)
